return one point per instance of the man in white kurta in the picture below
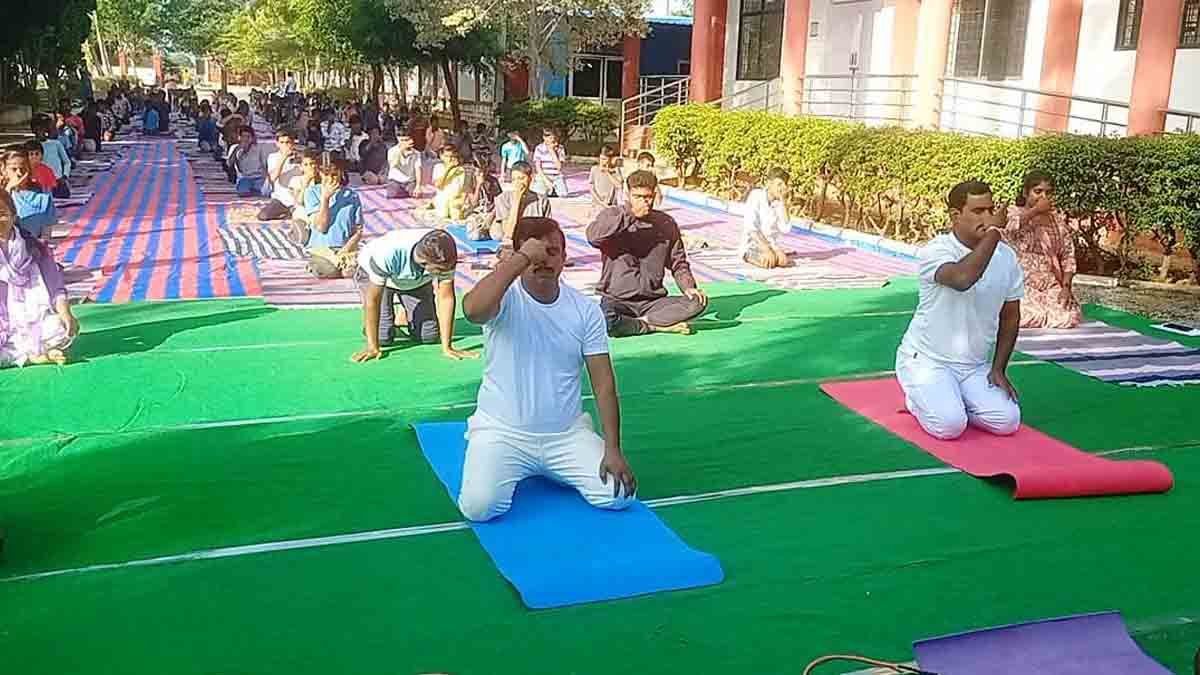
(539, 335)
(952, 361)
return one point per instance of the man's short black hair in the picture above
(285, 133)
(608, 151)
(522, 167)
(642, 179)
(957, 198)
(644, 156)
(437, 248)
(32, 146)
(536, 228)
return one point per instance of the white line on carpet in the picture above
(420, 530)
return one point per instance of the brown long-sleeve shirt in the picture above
(637, 252)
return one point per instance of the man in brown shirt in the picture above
(637, 244)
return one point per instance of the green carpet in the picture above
(862, 568)
(96, 468)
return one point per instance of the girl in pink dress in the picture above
(1038, 234)
(36, 323)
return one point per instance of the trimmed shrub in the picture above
(570, 117)
(893, 181)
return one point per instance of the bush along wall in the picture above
(893, 181)
(571, 117)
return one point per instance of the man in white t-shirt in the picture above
(539, 334)
(952, 362)
(407, 265)
(765, 220)
(283, 166)
(404, 168)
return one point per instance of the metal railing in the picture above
(766, 95)
(865, 97)
(1182, 121)
(994, 109)
(639, 111)
(648, 82)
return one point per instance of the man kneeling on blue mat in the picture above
(539, 334)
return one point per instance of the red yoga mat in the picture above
(1043, 467)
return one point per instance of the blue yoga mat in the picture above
(559, 550)
(484, 245)
(1090, 644)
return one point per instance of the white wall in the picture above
(758, 95)
(1100, 70)
(1035, 43)
(1185, 84)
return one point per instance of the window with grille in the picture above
(760, 39)
(988, 39)
(1189, 33)
(1129, 22)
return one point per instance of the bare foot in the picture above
(55, 356)
(682, 328)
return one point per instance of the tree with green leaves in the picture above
(540, 32)
(45, 39)
(130, 26)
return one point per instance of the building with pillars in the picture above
(1008, 67)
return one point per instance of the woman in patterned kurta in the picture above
(1037, 233)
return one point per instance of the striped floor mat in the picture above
(805, 274)
(150, 233)
(264, 242)
(1114, 354)
(287, 284)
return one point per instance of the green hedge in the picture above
(893, 181)
(571, 117)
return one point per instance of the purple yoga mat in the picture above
(1089, 644)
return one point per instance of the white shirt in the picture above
(281, 190)
(765, 217)
(534, 359)
(958, 328)
(388, 261)
(355, 143)
(403, 167)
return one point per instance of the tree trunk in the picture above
(535, 54)
(224, 77)
(376, 81)
(452, 92)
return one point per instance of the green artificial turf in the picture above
(102, 462)
(861, 568)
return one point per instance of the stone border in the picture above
(862, 240)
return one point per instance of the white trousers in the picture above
(500, 456)
(945, 400)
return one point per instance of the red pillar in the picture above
(795, 48)
(631, 51)
(123, 62)
(516, 82)
(708, 49)
(1058, 63)
(1154, 66)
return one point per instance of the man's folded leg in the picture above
(573, 458)
(671, 310)
(988, 406)
(497, 459)
(933, 396)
